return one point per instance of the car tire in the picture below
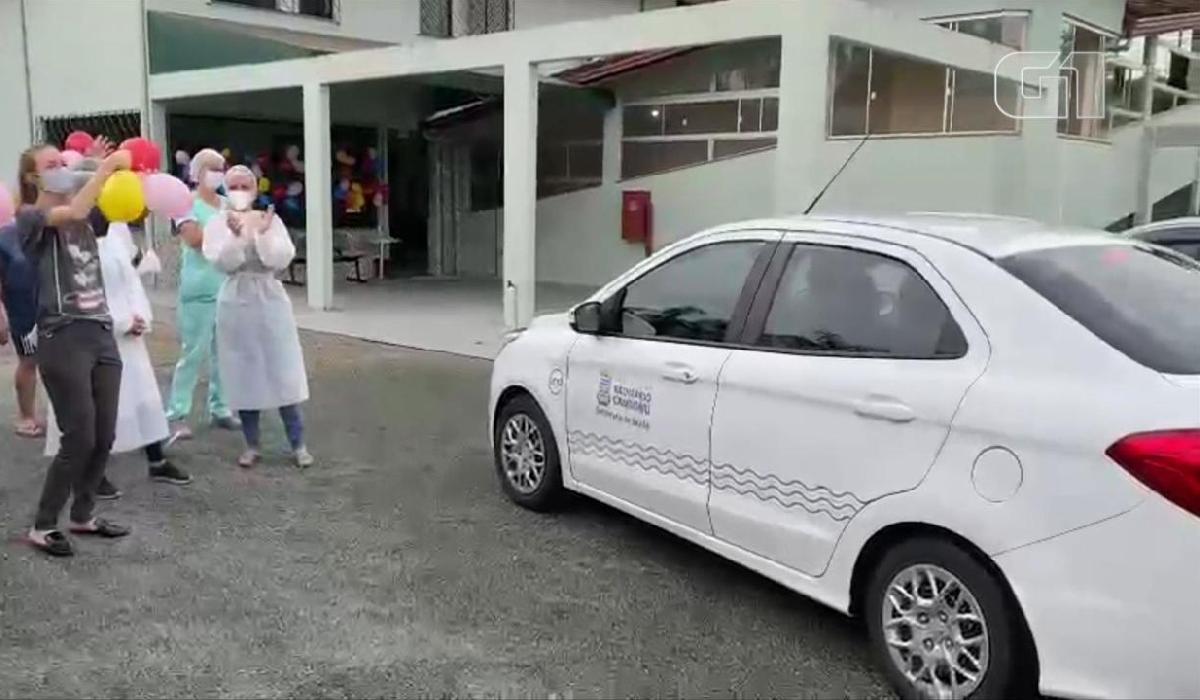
(1009, 668)
(521, 416)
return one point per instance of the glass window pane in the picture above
(756, 77)
(732, 147)
(1084, 82)
(751, 119)
(702, 118)
(691, 296)
(975, 98)
(585, 160)
(648, 157)
(643, 120)
(841, 301)
(770, 118)
(552, 161)
(851, 66)
(1129, 296)
(1008, 30)
(908, 96)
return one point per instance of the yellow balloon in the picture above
(121, 199)
(264, 185)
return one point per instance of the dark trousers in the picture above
(81, 369)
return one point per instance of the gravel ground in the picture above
(394, 567)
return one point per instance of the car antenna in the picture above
(829, 184)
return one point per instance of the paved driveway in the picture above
(393, 568)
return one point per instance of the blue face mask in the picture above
(63, 180)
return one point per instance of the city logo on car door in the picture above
(624, 403)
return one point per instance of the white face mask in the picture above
(213, 179)
(241, 200)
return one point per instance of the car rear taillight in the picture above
(1167, 461)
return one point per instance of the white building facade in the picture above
(510, 130)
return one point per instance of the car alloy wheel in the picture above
(523, 453)
(935, 632)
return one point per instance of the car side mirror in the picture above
(587, 318)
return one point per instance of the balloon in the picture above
(182, 158)
(121, 199)
(72, 159)
(146, 155)
(264, 200)
(7, 206)
(264, 184)
(227, 154)
(295, 188)
(167, 195)
(78, 141)
(355, 200)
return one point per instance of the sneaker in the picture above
(169, 473)
(248, 459)
(107, 490)
(179, 431)
(304, 458)
(226, 423)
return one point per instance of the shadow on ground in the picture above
(392, 568)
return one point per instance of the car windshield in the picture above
(1142, 300)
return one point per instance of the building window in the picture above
(1004, 28)
(1082, 92)
(449, 18)
(874, 92)
(323, 9)
(437, 18)
(721, 104)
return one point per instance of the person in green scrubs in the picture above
(199, 283)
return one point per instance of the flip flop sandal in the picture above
(102, 528)
(56, 544)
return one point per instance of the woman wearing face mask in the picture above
(257, 344)
(79, 362)
(199, 284)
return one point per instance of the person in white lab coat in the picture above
(141, 421)
(258, 346)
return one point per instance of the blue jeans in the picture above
(293, 424)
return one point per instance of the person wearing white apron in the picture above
(141, 421)
(258, 346)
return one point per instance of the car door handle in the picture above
(680, 373)
(884, 409)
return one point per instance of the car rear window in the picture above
(1142, 300)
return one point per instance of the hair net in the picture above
(204, 158)
(242, 173)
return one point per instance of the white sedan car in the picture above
(979, 434)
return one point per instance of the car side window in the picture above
(841, 301)
(1192, 250)
(691, 296)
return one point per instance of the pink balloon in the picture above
(7, 206)
(166, 195)
(72, 159)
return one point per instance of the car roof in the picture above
(1182, 229)
(993, 236)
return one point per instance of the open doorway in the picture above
(408, 215)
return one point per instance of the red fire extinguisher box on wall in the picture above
(637, 218)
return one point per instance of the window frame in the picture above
(1107, 36)
(947, 105)
(760, 308)
(613, 298)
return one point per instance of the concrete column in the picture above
(800, 173)
(155, 128)
(610, 154)
(520, 192)
(318, 197)
(1144, 208)
(1036, 179)
(1194, 206)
